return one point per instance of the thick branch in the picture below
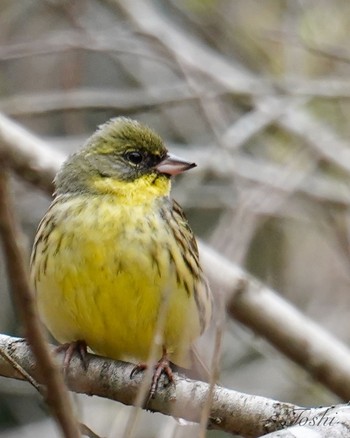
(285, 327)
(231, 411)
(30, 157)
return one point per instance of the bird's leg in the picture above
(69, 349)
(162, 367)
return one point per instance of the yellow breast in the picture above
(101, 271)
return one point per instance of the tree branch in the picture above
(56, 395)
(124, 101)
(230, 411)
(29, 157)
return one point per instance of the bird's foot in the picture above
(162, 367)
(69, 349)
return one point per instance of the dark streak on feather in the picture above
(58, 246)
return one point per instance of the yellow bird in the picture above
(114, 251)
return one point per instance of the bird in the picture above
(114, 254)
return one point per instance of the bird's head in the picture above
(123, 157)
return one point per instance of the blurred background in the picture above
(257, 93)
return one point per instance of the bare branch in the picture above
(230, 411)
(58, 42)
(322, 355)
(26, 376)
(256, 121)
(56, 395)
(326, 143)
(17, 146)
(125, 101)
(147, 19)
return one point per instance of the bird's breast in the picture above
(101, 271)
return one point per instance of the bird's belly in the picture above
(112, 292)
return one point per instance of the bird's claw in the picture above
(69, 349)
(162, 367)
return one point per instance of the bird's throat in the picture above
(140, 191)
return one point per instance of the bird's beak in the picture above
(172, 165)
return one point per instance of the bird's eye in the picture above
(134, 157)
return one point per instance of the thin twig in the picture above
(125, 101)
(57, 396)
(87, 431)
(157, 343)
(21, 371)
(214, 373)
